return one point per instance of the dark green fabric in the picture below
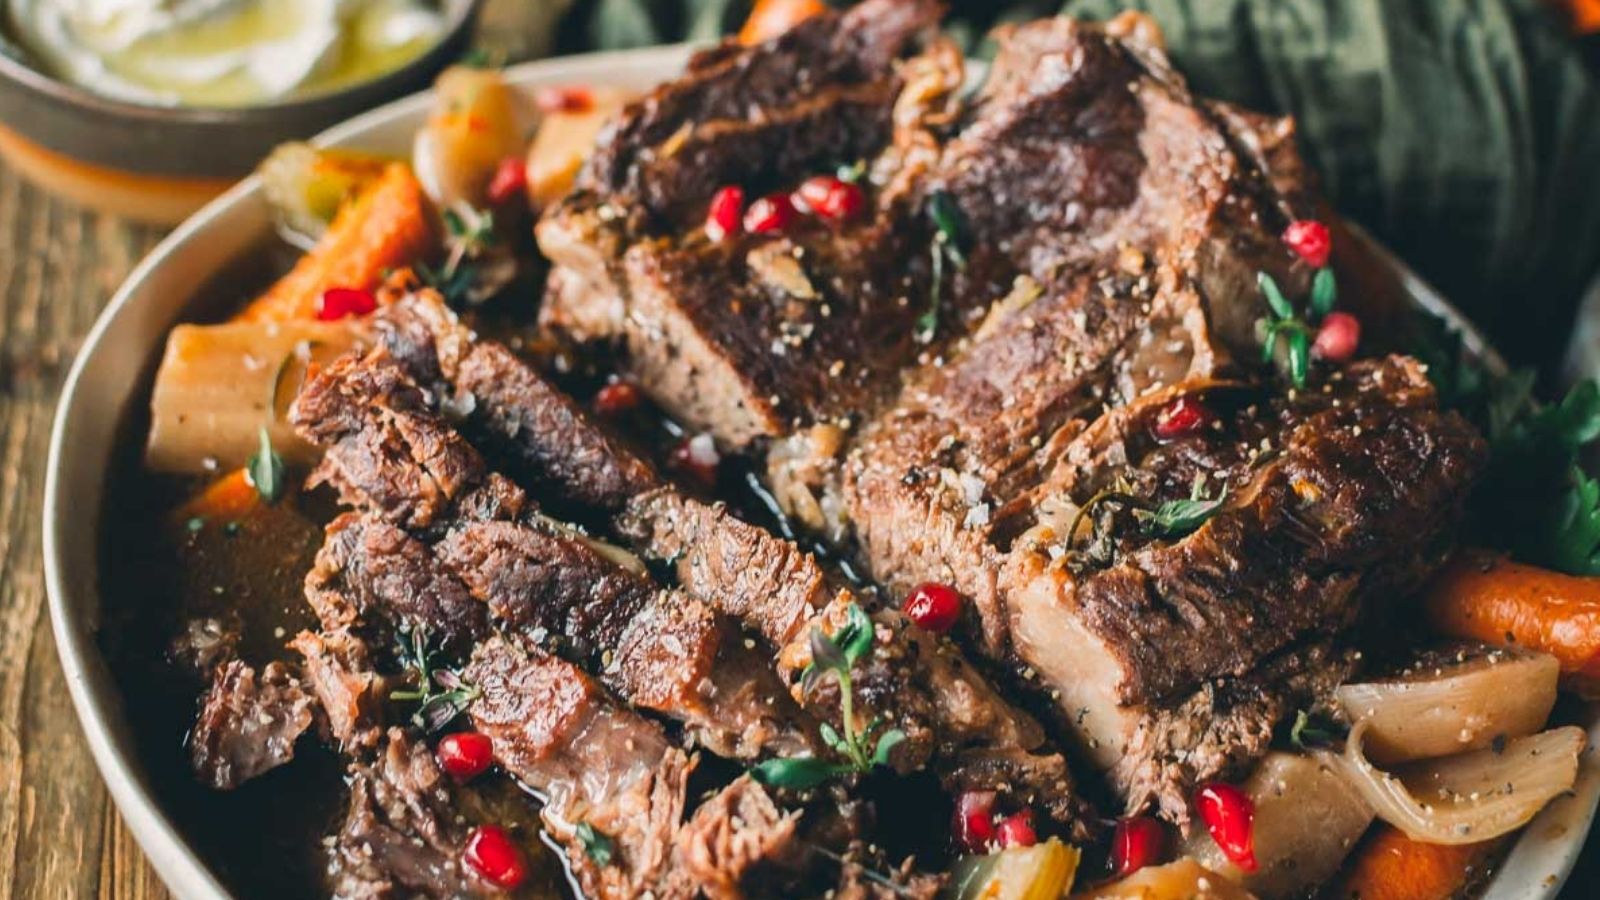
(1464, 133)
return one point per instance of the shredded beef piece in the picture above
(248, 725)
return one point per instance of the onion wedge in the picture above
(1469, 797)
(1454, 703)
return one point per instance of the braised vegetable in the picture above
(770, 18)
(1459, 703)
(1184, 879)
(228, 498)
(1492, 599)
(477, 121)
(565, 136)
(1390, 866)
(1470, 797)
(1040, 872)
(218, 385)
(387, 226)
(307, 186)
(1306, 820)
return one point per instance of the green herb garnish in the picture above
(1312, 731)
(597, 846)
(1284, 326)
(265, 469)
(948, 238)
(836, 654)
(194, 524)
(1170, 519)
(442, 694)
(852, 173)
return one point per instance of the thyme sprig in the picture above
(441, 694)
(948, 240)
(1283, 325)
(1169, 519)
(469, 237)
(265, 469)
(836, 654)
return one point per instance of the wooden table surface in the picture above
(60, 835)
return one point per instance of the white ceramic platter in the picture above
(107, 376)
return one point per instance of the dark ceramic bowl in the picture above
(160, 163)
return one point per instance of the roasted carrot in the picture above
(1387, 865)
(387, 226)
(1583, 16)
(228, 498)
(770, 18)
(1490, 598)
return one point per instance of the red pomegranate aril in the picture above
(336, 303)
(616, 398)
(771, 213)
(1181, 418)
(829, 197)
(934, 607)
(569, 98)
(1136, 843)
(1229, 815)
(1310, 241)
(973, 827)
(722, 219)
(1337, 337)
(492, 854)
(698, 457)
(1016, 830)
(510, 181)
(465, 755)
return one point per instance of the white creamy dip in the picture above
(222, 52)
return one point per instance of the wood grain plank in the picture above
(59, 834)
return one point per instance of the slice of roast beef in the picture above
(402, 834)
(339, 668)
(248, 724)
(955, 721)
(747, 335)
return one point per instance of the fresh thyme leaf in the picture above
(855, 638)
(1324, 292)
(948, 223)
(1176, 518)
(797, 773)
(852, 173)
(1299, 356)
(265, 469)
(597, 846)
(1275, 299)
(886, 743)
(830, 737)
(442, 694)
(453, 284)
(195, 523)
(1311, 731)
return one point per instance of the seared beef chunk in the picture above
(1113, 225)
(739, 844)
(338, 666)
(746, 335)
(248, 724)
(402, 835)
(954, 720)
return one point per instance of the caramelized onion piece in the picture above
(1464, 702)
(1469, 797)
(1306, 821)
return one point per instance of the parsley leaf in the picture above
(265, 469)
(1572, 537)
(598, 846)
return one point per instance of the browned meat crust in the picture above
(248, 725)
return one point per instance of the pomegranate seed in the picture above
(1309, 239)
(973, 827)
(569, 98)
(491, 853)
(698, 456)
(1229, 815)
(465, 755)
(830, 197)
(722, 219)
(934, 607)
(616, 398)
(771, 213)
(1137, 842)
(510, 181)
(1337, 337)
(1017, 830)
(336, 303)
(1181, 418)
